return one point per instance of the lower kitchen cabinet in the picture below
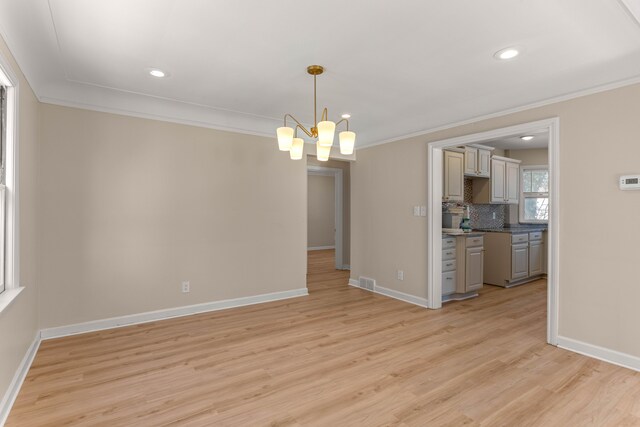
(535, 258)
(470, 253)
(462, 264)
(449, 265)
(513, 258)
(474, 269)
(519, 261)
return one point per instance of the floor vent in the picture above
(367, 283)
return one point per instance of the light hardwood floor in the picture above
(339, 357)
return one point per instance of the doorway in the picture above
(325, 218)
(435, 161)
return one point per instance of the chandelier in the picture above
(324, 130)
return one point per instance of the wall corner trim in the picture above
(391, 293)
(18, 378)
(152, 316)
(601, 353)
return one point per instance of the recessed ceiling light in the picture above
(346, 115)
(157, 73)
(508, 53)
(526, 138)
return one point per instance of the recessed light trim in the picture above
(155, 72)
(346, 116)
(507, 53)
(526, 137)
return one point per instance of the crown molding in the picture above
(549, 101)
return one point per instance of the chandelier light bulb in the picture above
(285, 138)
(322, 151)
(326, 131)
(297, 147)
(347, 142)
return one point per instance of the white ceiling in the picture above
(515, 142)
(398, 67)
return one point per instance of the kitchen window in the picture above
(534, 195)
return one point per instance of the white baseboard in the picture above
(320, 248)
(607, 355)
(151, 316)
(411, 299)
(18, 378)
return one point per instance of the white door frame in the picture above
(434, 212)
(338, 177)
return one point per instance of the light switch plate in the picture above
(423, 211)
(416, 211)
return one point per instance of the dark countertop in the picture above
(516, 229)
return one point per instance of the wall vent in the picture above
(367, 283)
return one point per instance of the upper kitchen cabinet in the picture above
(504, 184)
(477, 161)
(453, 189)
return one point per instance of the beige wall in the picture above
(131, 207)
(346, 201)
(321, 205)
(19, 321)
(537, 156)
(599, 290)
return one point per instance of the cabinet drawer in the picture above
(448, 242)
(448, 283)
(473, 242)
(535, 235)
(448, 254)
(449, 265)
(519, 238)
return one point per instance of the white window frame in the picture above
(521, 218)
(11, 248)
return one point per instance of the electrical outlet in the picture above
(494, 215)
(400, 275)
(186, 287)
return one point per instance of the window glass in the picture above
(535, 195)
(536, 209)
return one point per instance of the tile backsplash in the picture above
(482, 216)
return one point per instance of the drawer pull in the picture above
(449, 278)
(449, 265)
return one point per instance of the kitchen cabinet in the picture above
(512, 182)
(470, 253)
(462, 266)
(504, 184)
(519, 261)
(536, 251)
(448, 265)
(474, 269)
(513, 258)
(453, 188)
(477, 162)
